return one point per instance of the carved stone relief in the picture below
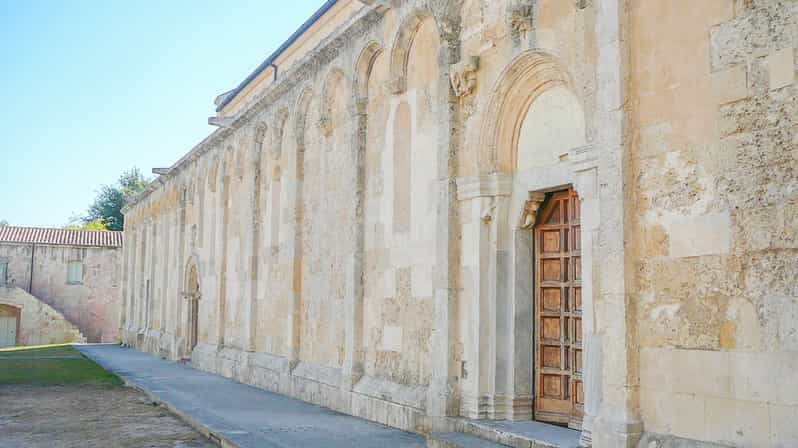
(530, 211)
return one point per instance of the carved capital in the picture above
(463, 76)
(358, 107)
(260, 134)
(361, 106)
(520, 18)
(530, 212)
(397, 85)
(325, 125)
(191, 296)
(274, 151)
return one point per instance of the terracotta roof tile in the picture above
(64, 237)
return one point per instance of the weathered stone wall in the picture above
(93, 305)
(714, 153)
(38, 322)
(360, 226)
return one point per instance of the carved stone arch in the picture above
(363, 67)
(301, 110)
(402, 44)
(522, 81)
(335, 78)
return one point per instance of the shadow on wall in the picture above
(26, 320)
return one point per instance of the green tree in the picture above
(106, 210)
(3, 223)
(97, 224)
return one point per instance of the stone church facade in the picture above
(582, 212)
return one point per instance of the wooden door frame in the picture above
(193, 323)
(542, 212)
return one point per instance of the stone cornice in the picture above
(324, 53)
(484, 185)
(583, 158)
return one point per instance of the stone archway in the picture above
(520, 166)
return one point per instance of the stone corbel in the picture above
(530, 212)
(222, 122)
(463, 76)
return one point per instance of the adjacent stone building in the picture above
(582, 212)
(68, 276)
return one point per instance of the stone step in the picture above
(459, 440)
(523, 434)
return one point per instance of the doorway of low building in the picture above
(559, 395)
(193, 295)
(9, 325)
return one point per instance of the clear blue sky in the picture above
(92, 88)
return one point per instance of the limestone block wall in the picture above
(93, 305)
(714, 155)
(39, 323)
(360, 227)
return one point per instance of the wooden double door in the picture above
(559, 395)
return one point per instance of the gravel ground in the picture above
(89, 416)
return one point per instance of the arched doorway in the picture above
(533, 156)
(193, 296)
(558, 311)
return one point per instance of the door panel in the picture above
(558, 312)
(8, 331)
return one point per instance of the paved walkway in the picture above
(244, 415)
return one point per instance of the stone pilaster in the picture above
(617, 423)
(255, 206)
(489, 391)
(442, 399)
(353, 300)
(225, 206)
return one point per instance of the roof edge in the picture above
(225, 98)
(55, 236)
